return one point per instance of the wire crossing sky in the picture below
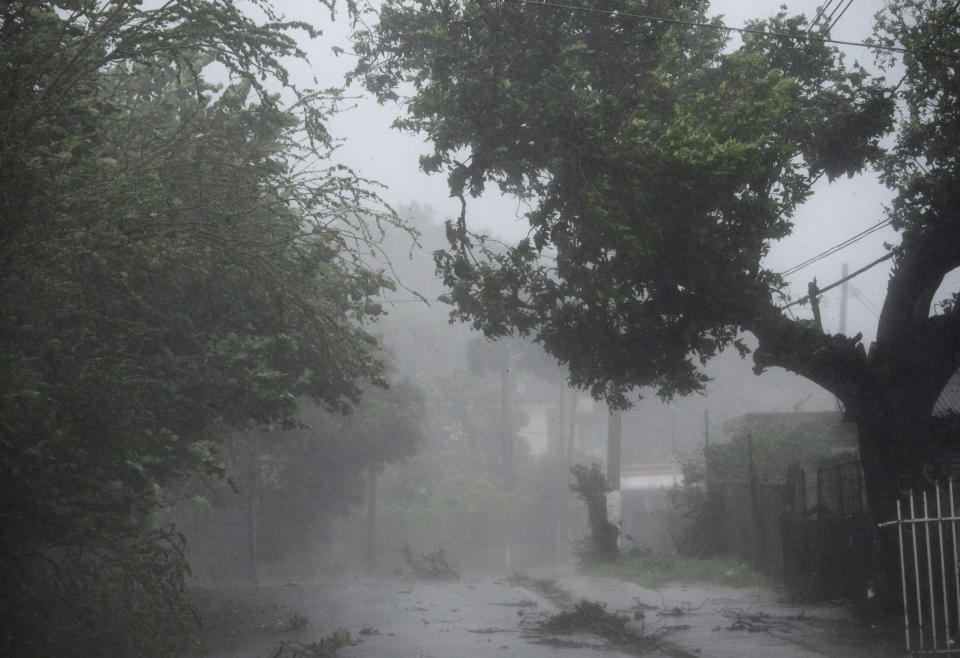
(745, 30)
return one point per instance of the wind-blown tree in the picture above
(660, 168)
(175, 258)
(292, 482)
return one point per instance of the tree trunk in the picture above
(897, 455)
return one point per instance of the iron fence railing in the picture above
(927, 538)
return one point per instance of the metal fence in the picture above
(927, 536)
(840, 488)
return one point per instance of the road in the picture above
(404, 619)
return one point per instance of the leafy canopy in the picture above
(659, 167)
(175, 257)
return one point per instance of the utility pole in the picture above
(253, 485)
(572, 428)
(842, 328)
(614, 433)
(561, 441)
(673, 431)
(706, 428)
(507, 455)
(372, 518)
(506, 431)
(812, 292)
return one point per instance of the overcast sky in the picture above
(835, 212)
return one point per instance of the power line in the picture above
(816, 18)
(832, 13)
(867, 304)
(835, 248)
(838, 282)
(834, 23)
(740, 30)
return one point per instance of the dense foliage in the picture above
(176, 257)
(661, 166)
(288, 486)
(765, 452)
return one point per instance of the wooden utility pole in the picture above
(562, 422)
(372, 518)
(253, 484)
(812, 292)
(706, 428)
(506, 431)
(756, 521)
(614, 433)
(507, 455)
(842, 327)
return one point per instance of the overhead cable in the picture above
(863, 269)
(830, 16)
(741, 30)
(820, 12)
(844, 11)
(835, 248)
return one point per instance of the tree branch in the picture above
(835, 362)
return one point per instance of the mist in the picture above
(481, 328)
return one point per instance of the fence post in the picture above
(756, 520)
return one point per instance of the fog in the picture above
(240, 419)
(483, 493)
(486, 490)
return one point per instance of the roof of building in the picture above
(780, 417)
(948, 404)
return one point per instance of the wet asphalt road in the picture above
(399, 619)
(395, 618)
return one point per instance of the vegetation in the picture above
(660, 166)
(429, 566)
(773, 449)
(654, 570)
(546, 587)
(586, 616)
(176, 259)
(287, 485)
(591, 617)
(326, 647)
(592, 488)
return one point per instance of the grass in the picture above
(654, 570)
(544, 586)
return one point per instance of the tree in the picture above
(288, 484)
(592, 488)
(660, 168)
(176, 258)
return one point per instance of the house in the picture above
(648, 519)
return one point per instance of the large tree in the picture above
(661, 165)
(176, 258)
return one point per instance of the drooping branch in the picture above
(837, 363)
